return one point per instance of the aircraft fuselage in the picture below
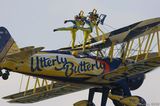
(58, 65)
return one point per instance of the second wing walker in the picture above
(111, 63)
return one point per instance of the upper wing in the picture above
(142, 66)
(42, 93)
(119, 36)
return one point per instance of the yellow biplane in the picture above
(112, 63)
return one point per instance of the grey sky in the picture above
(31, 22)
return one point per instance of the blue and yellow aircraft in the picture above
(113, 76)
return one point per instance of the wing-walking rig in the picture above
(112, 63)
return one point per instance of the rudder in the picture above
(7, 44)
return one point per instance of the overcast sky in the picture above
(31, 22)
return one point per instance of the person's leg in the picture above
(86, 35)
(73, 32)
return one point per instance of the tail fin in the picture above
(7, 44)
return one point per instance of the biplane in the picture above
(113, 64)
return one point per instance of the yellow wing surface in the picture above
(43, 93)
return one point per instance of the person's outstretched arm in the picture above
(72, 21)
(63, 29)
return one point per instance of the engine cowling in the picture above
(136, 81)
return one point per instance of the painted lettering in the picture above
(63, 64)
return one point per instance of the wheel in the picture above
(5, 76)
(116, 103)
(84, 103)
(117, 91)
(134, 101)
(142, 101)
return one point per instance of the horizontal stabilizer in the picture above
(27, 52)
(27, 48)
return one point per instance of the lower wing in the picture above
(43, 93)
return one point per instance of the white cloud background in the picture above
(31, 22)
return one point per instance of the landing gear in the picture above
(89, 102)
(119, 92)
(117, 95)
(123, 90)
(4, 75)
(128, 101)
(121, 96)
(103, 90)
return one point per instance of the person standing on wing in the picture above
(91, 22)
(96, 19)
(86, 31)
(77, 22)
